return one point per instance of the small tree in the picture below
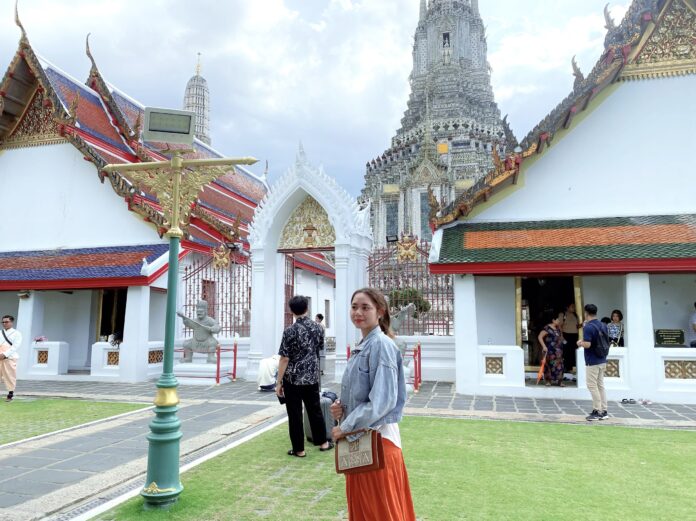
(402, 297)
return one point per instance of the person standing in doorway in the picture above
(615, 329)
(571, 324)
(10, 341)
(691, 330)
(319, 319)
(551, 342)
(298, 377)
(595, 364)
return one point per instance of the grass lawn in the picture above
(23, 418)
(459, 470)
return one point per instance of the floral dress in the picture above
(553, 372)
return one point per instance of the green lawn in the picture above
(459, 470)
(22, 418)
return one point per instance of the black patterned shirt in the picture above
(301, 344)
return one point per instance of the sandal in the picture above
(331, 446)
(293, 453)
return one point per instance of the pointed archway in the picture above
(353, 243)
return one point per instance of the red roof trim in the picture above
(574, 267)
(314, 269)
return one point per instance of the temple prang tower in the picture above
(450, 126)
(197, 100)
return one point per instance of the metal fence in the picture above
(227, 290)
(400, 271)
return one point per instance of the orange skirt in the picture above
(381, 495)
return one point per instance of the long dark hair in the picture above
(381, 304)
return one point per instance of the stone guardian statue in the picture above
(204, 327)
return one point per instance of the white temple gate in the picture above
(352, 246)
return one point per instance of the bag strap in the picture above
(6, 339)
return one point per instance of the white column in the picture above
(640, 344)
(342, 322)
(465, 334)
(134, 348)
(30, 318)
(263, 309)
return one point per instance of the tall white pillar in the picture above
(133, 355)
(30, 321)
(639, 340)
(263, 310)
(342, 322)
(465, 334)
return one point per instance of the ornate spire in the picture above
(579, 77)
(198, 65)
(609, 24)
(474, 6)
(197, 100)
(19, 24)
(89, 54)
(423, 10)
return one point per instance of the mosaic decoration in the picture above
(407, 249)
(155, 357)
(37, 126)
(680, 369)
(612, 370)
(42, 357)
(308, 228)
(494, 364)
(112, 358)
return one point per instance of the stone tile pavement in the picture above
(66, 473)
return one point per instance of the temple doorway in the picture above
(541, 297)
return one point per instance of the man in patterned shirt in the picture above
(298, 377)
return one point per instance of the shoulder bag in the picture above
(362, 455)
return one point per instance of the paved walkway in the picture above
(65, 474)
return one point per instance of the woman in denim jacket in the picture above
(373, 393)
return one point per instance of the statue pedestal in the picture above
(199, 372)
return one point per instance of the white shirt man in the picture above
(10, 340)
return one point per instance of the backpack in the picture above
(601, 345)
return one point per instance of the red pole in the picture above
(217, 372)
(234, 362)
(415, 369)
(348, 352)
(420, 364)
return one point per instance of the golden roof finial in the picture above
(89, 53)
(19, 24)
(608, 20)
(198, 65)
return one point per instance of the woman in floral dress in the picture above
(551, 341)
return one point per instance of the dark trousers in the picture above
(295, 396)
(569, 353)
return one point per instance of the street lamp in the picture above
(176, 183)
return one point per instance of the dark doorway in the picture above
(539, 296)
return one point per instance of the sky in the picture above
(332, 74)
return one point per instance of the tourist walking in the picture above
(570, 328)
(551, 341)
(615, 329)
(10, 341)
(373, 393)
(298, 377)
(594, 336)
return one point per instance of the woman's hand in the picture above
(337, 433)
(337, 410)
(279, 390)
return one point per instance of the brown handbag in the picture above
(362, 455)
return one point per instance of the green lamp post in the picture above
(176, 184)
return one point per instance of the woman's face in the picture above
(363, 312)
(615, 317)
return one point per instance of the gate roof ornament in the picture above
(350, 220)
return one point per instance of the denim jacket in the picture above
(373, 389)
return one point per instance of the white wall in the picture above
(9, 303)
(72, 200)
(68, 318)
(673, 298)
(602, 167)
(495, 310)
(607, 292)
(158, 308)
(319, 288)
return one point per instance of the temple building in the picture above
(197, 100)
(588, 210)
(451, 129)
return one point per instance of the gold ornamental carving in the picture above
(670, 50)
(308, 228)
(221, 257)
(407, 249)
(494, 365)
(36, 126)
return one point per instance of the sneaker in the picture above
(604, 415)
(594, 415)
